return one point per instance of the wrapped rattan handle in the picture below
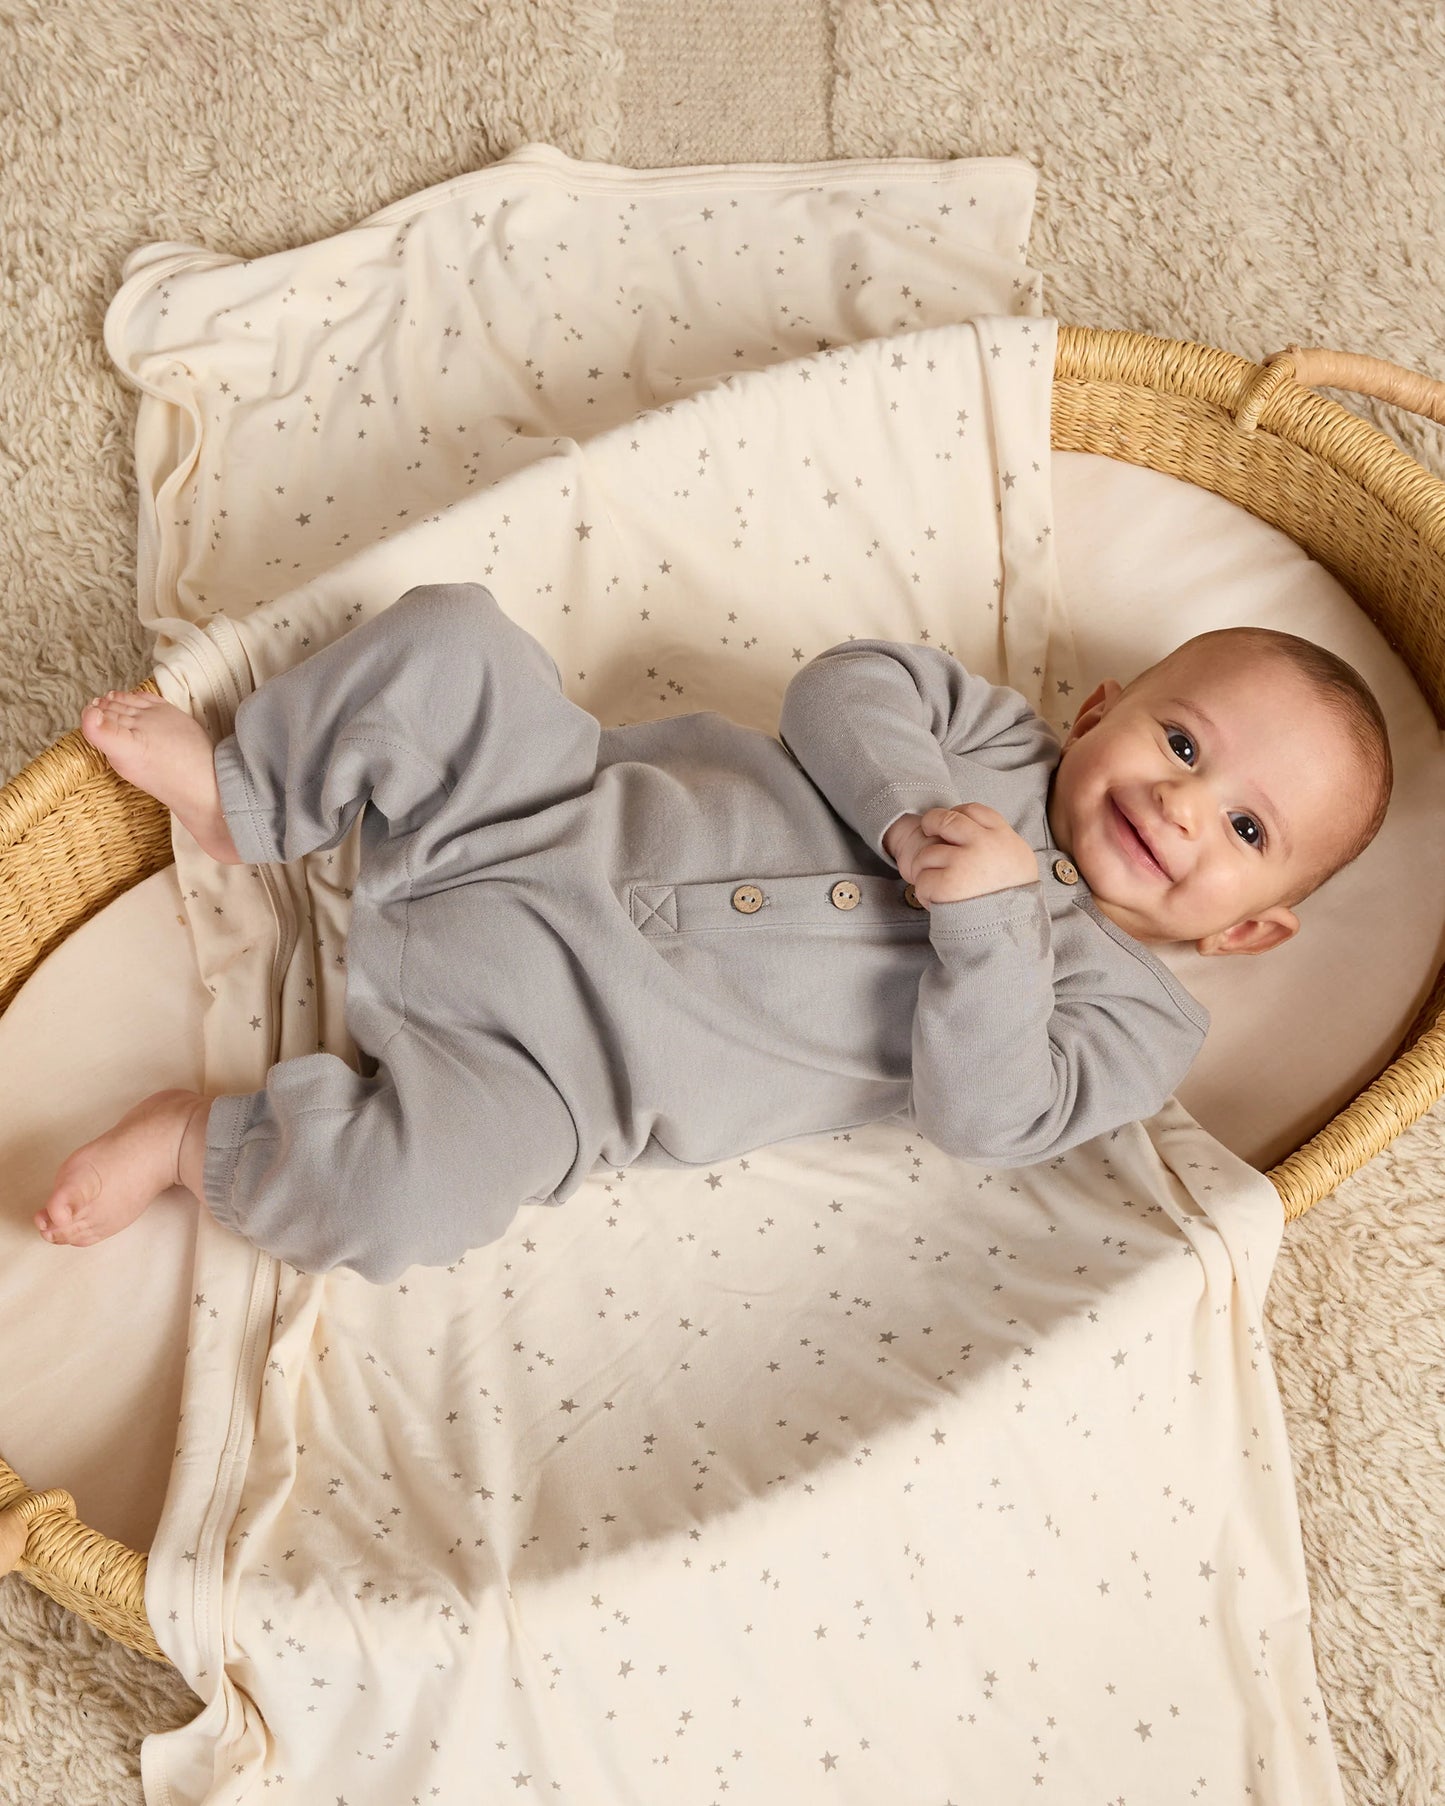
(16, 1518)
(1341, 370)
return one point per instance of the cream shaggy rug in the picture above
(1235, 174)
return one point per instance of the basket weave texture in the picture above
(73, 836)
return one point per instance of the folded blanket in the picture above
(846, 1470)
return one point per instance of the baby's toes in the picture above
(54, 1221)
(101, 722)
(98, 716)
(63, 1218)
(55, 1225)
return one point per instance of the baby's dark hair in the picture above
(1341, 689)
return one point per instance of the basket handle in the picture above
(1403, 388)
(16, 1519)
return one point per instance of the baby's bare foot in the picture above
(156, 747)
(105, 1185)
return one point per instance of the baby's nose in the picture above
(1180, 805)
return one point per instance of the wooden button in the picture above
(1065, 872)
(910, 897)
(845, 894)
(748, 899)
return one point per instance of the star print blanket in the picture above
(846, 1471)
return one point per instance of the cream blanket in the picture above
(845, 1471)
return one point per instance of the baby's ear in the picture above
(1093, 708)
(1256, 934)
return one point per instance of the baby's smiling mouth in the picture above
(1133, 841)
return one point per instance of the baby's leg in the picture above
(425, 1158)
(105, 1185)
(439, 702)
(166, 753)
(439, 712)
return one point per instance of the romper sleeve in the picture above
(876, 724)
(1011, 1065)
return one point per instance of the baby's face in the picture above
(1234, 776)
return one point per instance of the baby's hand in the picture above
(955, 854)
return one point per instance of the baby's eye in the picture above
(1253, 835)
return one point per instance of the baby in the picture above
(672, 942)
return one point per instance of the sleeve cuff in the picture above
(885, 806)
(971, 916)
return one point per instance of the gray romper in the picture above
(574, 947)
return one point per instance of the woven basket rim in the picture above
(1223, 379)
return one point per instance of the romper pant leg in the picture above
(440, 710)
(411, 1167)
(437, 717)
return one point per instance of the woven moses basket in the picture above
(73, 836)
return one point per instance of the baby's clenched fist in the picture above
(950, 855)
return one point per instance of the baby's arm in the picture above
(875, 723)
(1010, 1067)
